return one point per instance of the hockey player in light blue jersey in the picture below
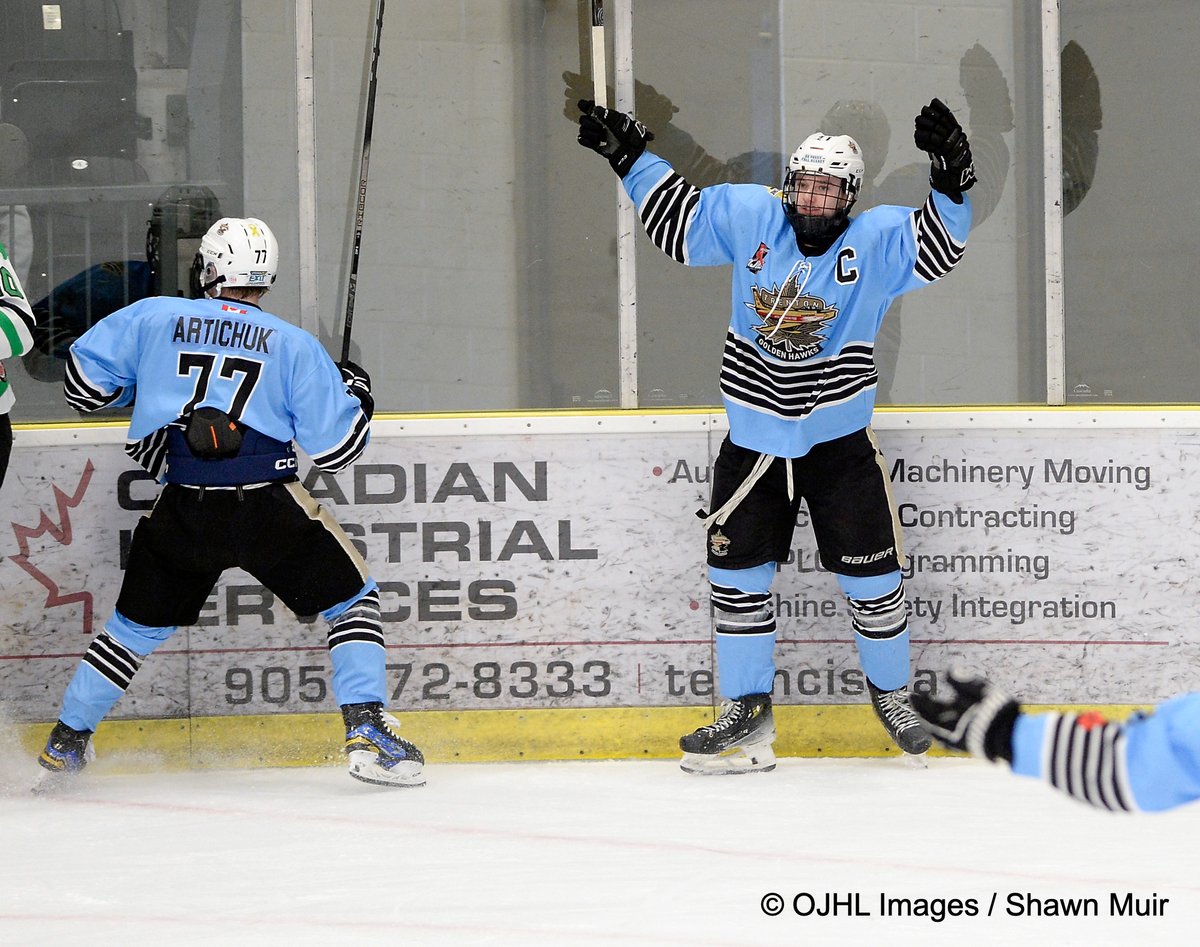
(1148, 763)
(809, 291)
(221, 390)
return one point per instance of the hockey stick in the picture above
(599, 69)
(362, 186)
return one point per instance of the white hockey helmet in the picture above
(837, 156)
(236, 251)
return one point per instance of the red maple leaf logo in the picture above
(59, 529)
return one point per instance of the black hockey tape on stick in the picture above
(599, 67)
(368, 121)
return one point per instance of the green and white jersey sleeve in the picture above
(16, 323)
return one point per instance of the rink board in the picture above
(474, 736)
(532, 563)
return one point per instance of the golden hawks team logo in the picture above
(719, 543)
(791, 322)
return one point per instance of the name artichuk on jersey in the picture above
(227, 333)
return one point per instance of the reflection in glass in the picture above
(126, 120)
(1130, 242)
(964, 343)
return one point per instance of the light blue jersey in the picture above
(798, 367)
(1149, 763)
(168, 356)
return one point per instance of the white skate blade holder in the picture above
(364, 766)
(756, 758)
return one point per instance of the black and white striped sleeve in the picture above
(667, 212)
(82, 393)
(349, 448)
(938, 252)
(150, 452)
(1085, 757)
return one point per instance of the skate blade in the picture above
(52, 782)
(915, 760)
(759, 758)
(365, 768)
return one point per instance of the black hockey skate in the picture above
(377, 755)
(897, 717)
(67, 752)
(739, 741)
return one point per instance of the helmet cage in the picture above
(820, 197)
(818, 160)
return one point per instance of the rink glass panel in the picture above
(136, 117)
(1130, 237)
(488, 270)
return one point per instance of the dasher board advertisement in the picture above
(531, 563)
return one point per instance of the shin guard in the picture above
(357, 651)
(880, 619)
(745, 626)
(103, 676)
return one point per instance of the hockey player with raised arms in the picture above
(810, 288)
(1148, 763)
(221, 389)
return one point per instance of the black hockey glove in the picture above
(937, 132)
(971, 715)
(355, 376)
(359, 383)
(619, 137)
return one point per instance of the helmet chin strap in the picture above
(209, 287)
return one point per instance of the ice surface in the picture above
(588, 853)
